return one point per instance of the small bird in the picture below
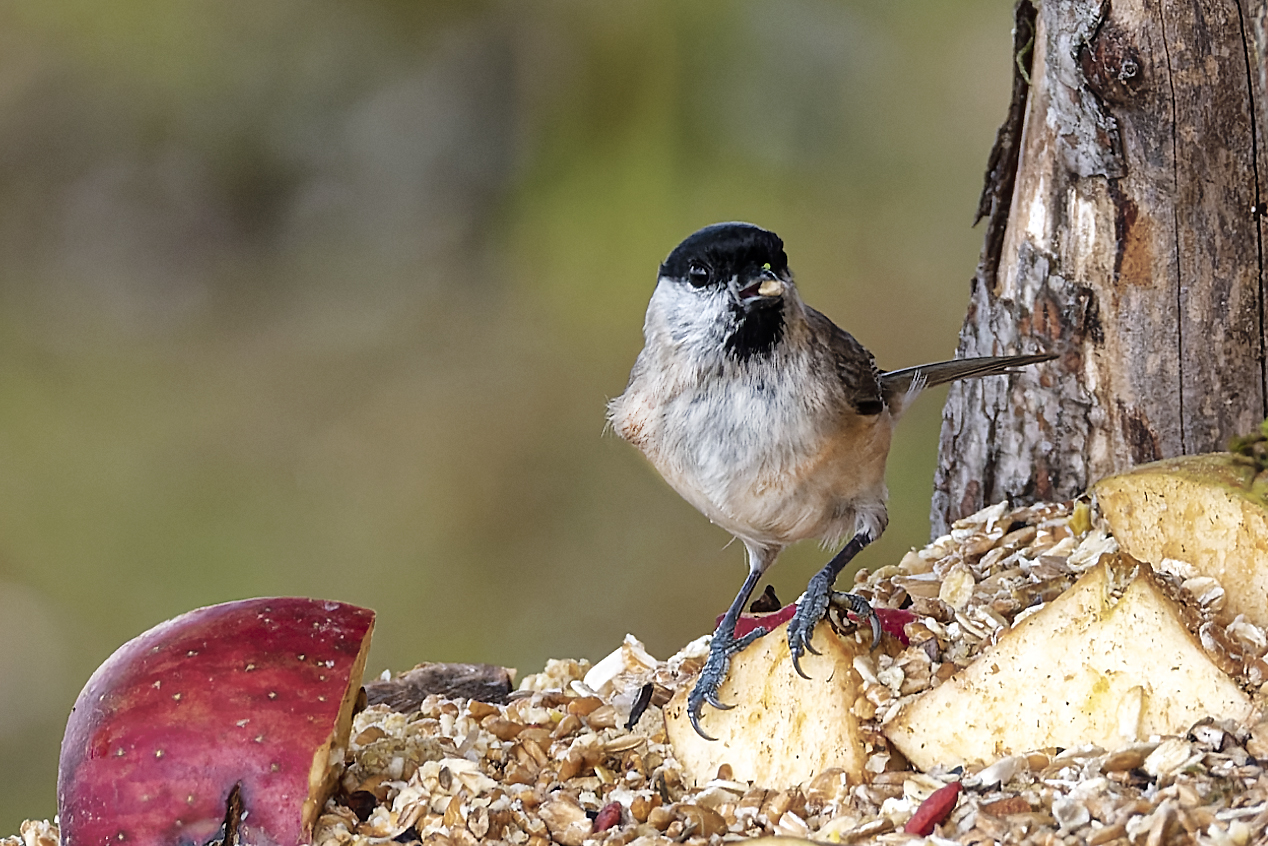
(767, 417)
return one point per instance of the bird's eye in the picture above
(698, 275)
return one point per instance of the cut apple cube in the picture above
(783, 730)
(1111, 660)
(1207, 511)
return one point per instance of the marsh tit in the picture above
(768, 418)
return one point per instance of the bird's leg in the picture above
(721, 648)
(814, 604)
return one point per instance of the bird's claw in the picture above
(721, 648)
(800, 646)
(713, 700)
(693, 713)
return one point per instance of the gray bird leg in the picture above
(721, 648)
(814, 604)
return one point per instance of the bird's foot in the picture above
(721, 648)
(813, 607)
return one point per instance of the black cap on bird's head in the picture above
(715, 254)
(748, 266)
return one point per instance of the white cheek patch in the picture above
(695, 320)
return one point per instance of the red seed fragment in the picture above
(933, 810)
(893, 620)
(609, 816)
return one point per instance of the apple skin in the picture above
(257, 694)
(892, 620)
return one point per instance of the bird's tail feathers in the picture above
(909, 379)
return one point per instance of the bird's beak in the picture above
(762, 289)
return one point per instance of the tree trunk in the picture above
(1124, 233)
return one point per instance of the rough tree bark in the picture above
(1125, 232)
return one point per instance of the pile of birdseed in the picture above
(557, 763)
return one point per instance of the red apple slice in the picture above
(892, 620)
(251, 700)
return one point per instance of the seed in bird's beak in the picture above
(771, 288)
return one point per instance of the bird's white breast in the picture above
(766, 448)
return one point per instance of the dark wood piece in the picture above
(406, 692)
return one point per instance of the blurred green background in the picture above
(327, 298)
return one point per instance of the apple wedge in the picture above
(1208, 511)
(783, 730)
(1111, 660)
(228, 722)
